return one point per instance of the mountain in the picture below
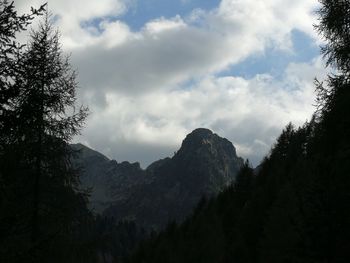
(108, 180)
(168, 189)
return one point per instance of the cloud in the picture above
(249, 112)
(148, 88)
(70, 14)
(167, 52)
(158, 25)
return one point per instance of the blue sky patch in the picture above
(274, 61)
(143, 11)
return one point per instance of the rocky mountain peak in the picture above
(200, 132)
(169, 188)
(196, 139)
(205, 143)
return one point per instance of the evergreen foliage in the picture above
(43, 215)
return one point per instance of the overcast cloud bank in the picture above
(148, 88)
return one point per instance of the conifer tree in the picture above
(47, 112)
(12, 227)
(42, 208)
(10, 55)
(334, 17)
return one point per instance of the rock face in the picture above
(108, 180)
(169, 188)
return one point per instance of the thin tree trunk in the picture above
(35, 228)
(38, 173)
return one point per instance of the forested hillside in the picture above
(296, 206)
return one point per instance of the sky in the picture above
(151, 71)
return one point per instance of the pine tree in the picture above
(43, 209)
(47, 111)
(10, 55)
(12, 191)
(334, 17)
(48, 119)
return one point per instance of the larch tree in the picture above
(12, 227)
(41, 205)
(11, 52)
(48, 121)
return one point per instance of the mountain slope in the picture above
(294, 208)
(108, 180)
(169, 188)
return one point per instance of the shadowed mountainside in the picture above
(168, 189)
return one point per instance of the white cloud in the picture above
(71, 14)
(158, 25)
(249, 112)
(137, 83)
(167, 52)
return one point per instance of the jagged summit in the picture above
(206, 145)
(200, 132)
(169, 188)
(197, 138)
(87, 152)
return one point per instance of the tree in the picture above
(39, 117)
(334, 17)
(10, 54)
(47, 110)
(48, 119)
(334, 28)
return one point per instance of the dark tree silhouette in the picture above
(47, 111)
(11, 52)
(42, 210)
(334, 17)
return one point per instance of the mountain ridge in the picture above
(168, 188)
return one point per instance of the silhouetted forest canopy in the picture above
(294, 207)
